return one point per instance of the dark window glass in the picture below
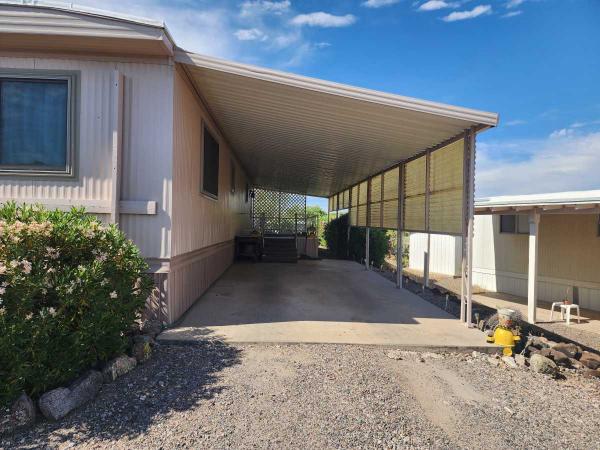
(508, 223)
(34, 123)
(232, 178)
(210, 174)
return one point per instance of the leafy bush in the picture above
(336, 236)
(70, 290)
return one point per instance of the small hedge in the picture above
(336, 236)
(70, 290)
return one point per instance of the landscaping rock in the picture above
(20, 415)
(590, 360)
(152, 328)
(521, 360)
(23, 411)
(541, 364)
(576, 364)
(59, 402)
(141, 350)
(394, 354)
(559, 358)
(509, 361)
(571, 350)
(589, 373)
(56, 404)
(493, 361)
(118, 367)
(85, 388)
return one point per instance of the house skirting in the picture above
(179, 281)
(550, 289)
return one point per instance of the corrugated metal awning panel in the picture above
(303, 135)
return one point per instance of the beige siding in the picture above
(200, 221)
(445, 253)
(147, 145)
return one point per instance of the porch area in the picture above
(326, 301)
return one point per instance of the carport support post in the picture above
(427, 227)
(367, 255)
(471, 225)
(532, 276)
(399, 226)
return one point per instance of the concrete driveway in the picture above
(326, 301)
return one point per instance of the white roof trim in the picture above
(87, 11)
(554, 198)
(486, 119)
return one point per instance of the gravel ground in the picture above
(326, 396)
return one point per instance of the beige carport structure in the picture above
(413, 159)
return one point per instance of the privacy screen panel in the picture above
(375, 202)
(446, 189)
(389, 206)
(414, 195)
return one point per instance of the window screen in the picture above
(210, 172)
(34, 124)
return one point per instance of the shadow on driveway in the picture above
(176, 379)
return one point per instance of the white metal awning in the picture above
(315, 137)
(574, 202)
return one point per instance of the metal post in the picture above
(367, 252)
(471, 217)
(427, 227)
(532, 275)
(465, 227)
(399, 226)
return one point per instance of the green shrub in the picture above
(336, 236)
(70, 290)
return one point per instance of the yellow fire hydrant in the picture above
(503, 334)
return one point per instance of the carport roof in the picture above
(315, 137)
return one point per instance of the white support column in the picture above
(117, 144)
(532, 276)
(367, 253)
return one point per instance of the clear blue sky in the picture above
(535, 62)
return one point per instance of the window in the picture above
(514, 223)
(37, 123)
(210, 171)
(232, 177)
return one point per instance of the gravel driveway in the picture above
(326, 396)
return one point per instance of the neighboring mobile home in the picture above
(104, 111)
(552, 238)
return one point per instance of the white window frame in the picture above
(72, 148)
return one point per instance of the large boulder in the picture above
(118, 367)
(59, 402)
(541, 364)
(152, 327)
(590, 360)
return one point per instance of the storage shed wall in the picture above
(147, 144)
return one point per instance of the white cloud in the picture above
(514, 3)
(433, 5)
(563, 132)
(259, 7)
(379, 3)
(323, 19)
(250, 34)
(510, 14)
(202, 30)
(464, 15)
(535, 166)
